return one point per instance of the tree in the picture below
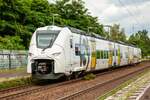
(141, 40)
(22, 17)
(117, 34)
(11, 43)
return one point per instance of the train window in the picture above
(98, 54)
(71, 44)
(116, 52)
(106, 54)
(126, 54)
(113, 53)
(46, 38)
(77, 49)
(121, 56)
(102, 55)
(88, 51)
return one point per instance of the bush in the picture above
(89, 76)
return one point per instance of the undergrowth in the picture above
(15, 83)
(89, 76)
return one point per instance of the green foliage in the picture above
(117, 34)
(89, 76)
(14, 70)
(98, 54)
(15, 83)
(141, 40)
(20, 18)
(11, 42)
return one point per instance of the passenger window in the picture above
(98, 54)
(102, 54)
(71, 44)
(77, 49)
(106, 54)
(121, 55)
(116, 53)
(113, 53)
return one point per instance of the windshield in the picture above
(46, 38)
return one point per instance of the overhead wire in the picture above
(130, 13)
(138, 11)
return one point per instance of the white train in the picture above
(56, 51)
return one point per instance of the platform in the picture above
(139, 89)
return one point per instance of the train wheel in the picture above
(68, 78)
(75, 75)
(82, 73)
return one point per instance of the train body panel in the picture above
(56, 51)
(123, 55)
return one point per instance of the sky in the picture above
(132, 15)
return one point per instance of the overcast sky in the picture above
(132, 15)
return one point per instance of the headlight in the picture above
(56, 54)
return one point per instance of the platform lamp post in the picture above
(54, 18)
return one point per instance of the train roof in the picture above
(74, 30)
(78, 31)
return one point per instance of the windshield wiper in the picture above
(48, 45)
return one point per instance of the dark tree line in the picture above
(20, 18)
(141, 40)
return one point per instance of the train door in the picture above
(84, 52)
(128, 51)
(119, 55)
(115, 55)
(110, 61)
(71, 51)
(93, 53)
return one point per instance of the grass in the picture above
(121, 86)
(14, 70)
(89, 76)
(16, 82)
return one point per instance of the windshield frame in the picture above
(46, 32)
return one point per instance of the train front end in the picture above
(46, 57)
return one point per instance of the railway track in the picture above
(12, 92)
(93, 88)
(24, 91)
(27, 90)
(12, 89)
